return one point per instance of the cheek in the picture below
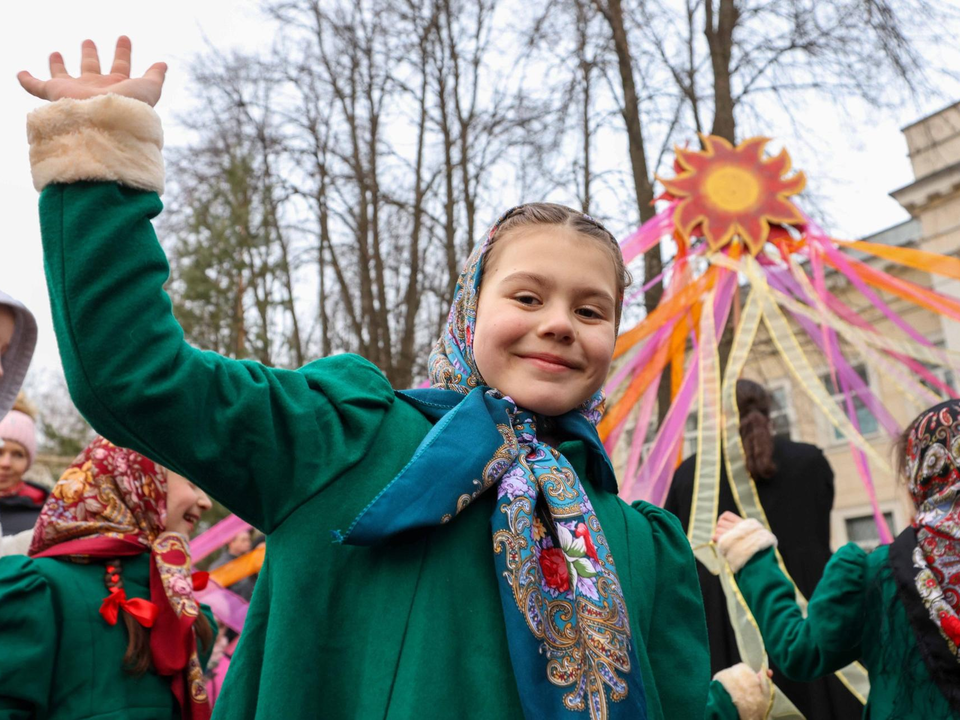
(179, 499)
(492, 340)
(600, 348)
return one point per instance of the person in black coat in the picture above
(795, 485)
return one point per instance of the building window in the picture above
(862, 530)
(943, 374)
(865, 418)
(690, 434)
(781, 416)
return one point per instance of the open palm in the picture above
(92, 82)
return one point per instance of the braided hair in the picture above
(753, 402)
(137, 659)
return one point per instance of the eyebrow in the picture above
(545, 282)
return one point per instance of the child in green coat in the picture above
(101, 622)
(459, 550)
(896, 610)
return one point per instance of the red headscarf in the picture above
(112, 503)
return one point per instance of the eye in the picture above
(590, 313)
(526, 299)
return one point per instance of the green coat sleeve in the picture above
(829, 637)
(204, 652)
(258, 439)
(677, 640)
(27, 640)
(719, 704)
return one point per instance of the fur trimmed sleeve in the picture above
(743, 541)
(751, 695)
(107, 137)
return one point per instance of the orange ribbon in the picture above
(666, 311)
(925, 260)
(143, 611)
(236, 570)
(933, 301)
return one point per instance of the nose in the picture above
(203, 500)
(556, 323)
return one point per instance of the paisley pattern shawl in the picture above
(568, 629)
(112, 502)
(926, 558)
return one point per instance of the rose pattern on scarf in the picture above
(553, 564)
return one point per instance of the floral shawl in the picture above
(568, 629)
(112, 503)
(926, 558)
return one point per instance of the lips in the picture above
(550, 362)
(191, 518)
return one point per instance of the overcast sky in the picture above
(866, 158)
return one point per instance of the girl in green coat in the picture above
(100, 622)
(459, 550)
(896, 610)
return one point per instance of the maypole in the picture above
(732, 215)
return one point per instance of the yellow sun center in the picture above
(731, 188)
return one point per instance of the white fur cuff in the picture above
(108, 137)
(743, 541)
(751, 695)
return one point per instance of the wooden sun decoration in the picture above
(728, 192)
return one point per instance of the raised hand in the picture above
(92, 82)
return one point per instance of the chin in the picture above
(545, 404)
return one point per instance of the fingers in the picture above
(29, 83)
(121, 57)
(89, 58)
(729, 517)
(156, 72)
(57, 68)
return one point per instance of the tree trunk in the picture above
(643, 187)
(718, 27)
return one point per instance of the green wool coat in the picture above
(59, 660)
(854, 615)
(333, 631)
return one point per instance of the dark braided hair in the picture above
(137, 659)
(753, 402)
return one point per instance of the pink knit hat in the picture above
(20, 428)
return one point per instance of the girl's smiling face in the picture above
(185, 504)
(546, 318)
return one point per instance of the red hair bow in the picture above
(143, 611)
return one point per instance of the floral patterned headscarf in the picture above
(933, 472)
(925, 558)
(111, 503)
(568, 629)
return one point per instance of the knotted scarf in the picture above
(926, 557)
(111, 503)
(568, 629)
